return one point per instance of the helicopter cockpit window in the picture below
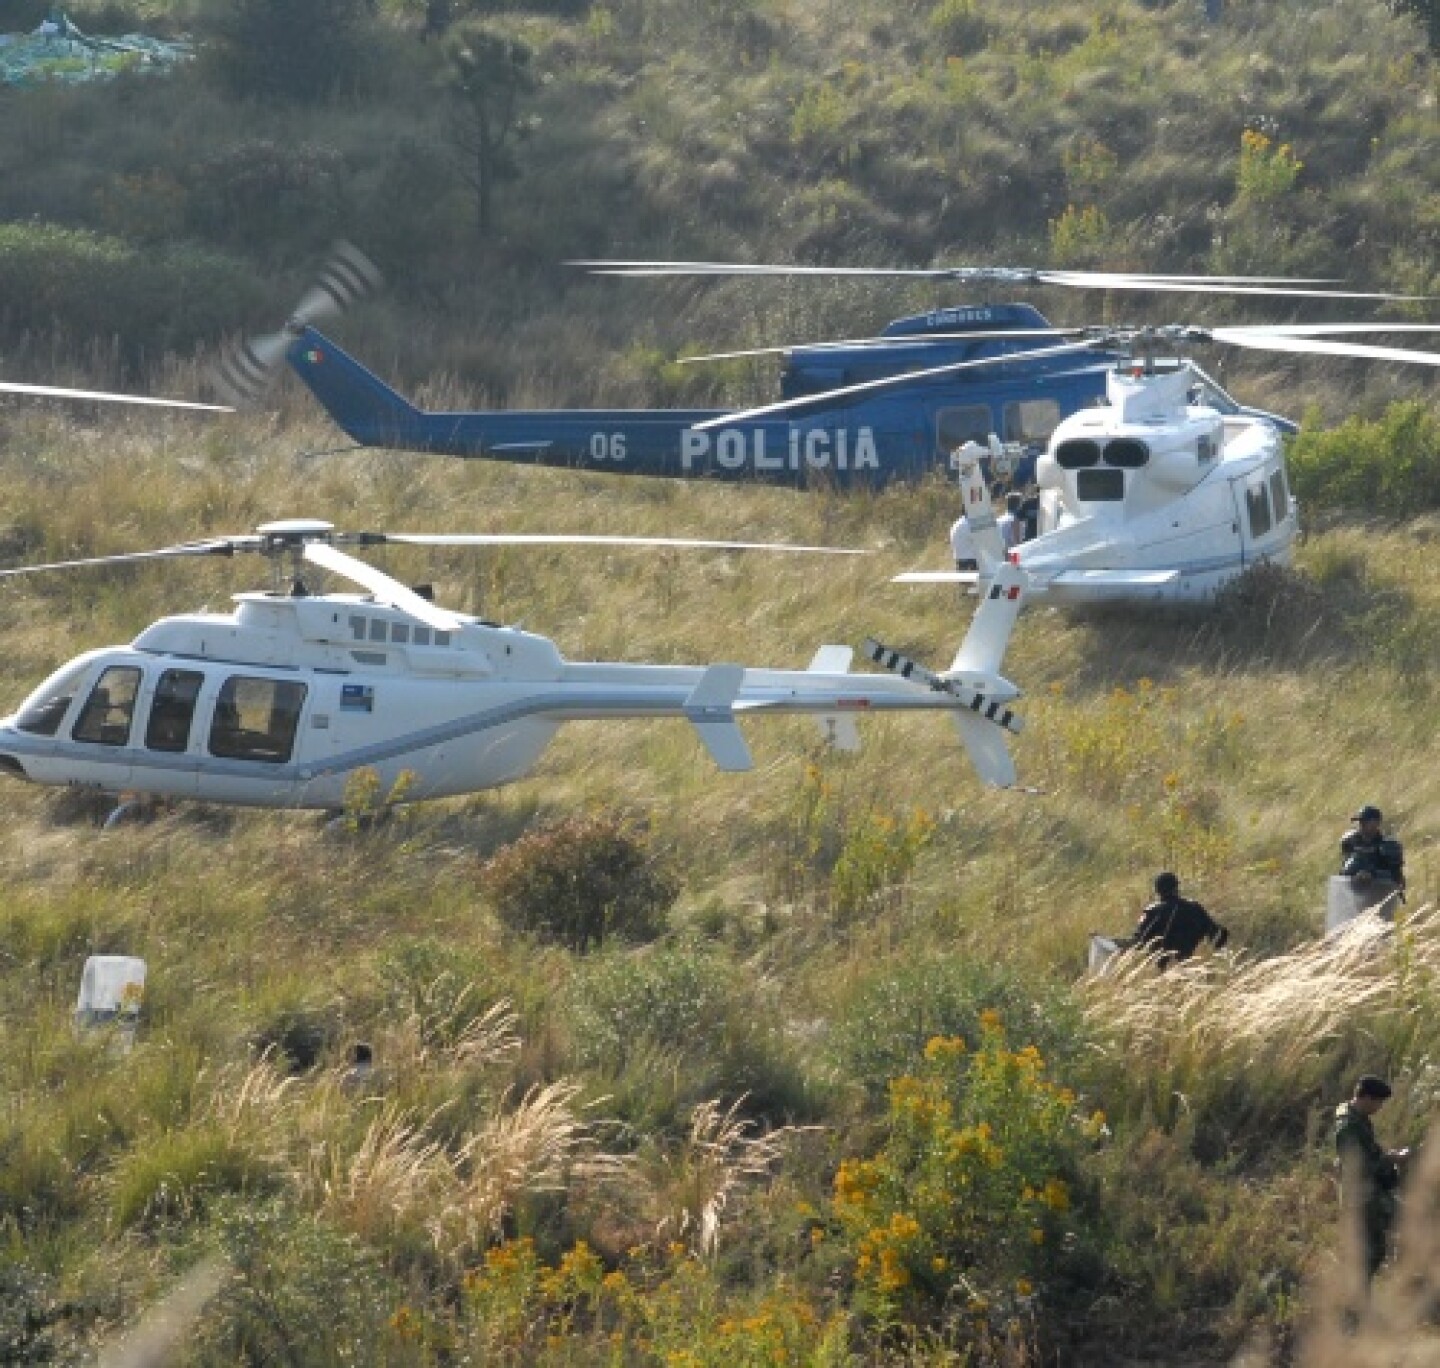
(45, 709)
(173, 710)
(1125, 453)
(956, 426)
(1079, 454)
(1031, 420)
(1257, 504)
(256, 719)
(1279, 496)
(107, 714)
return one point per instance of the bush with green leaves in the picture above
(1389, 465)
(582, 881)
(297, 51)
(286, 1265)
(882, 1028)
(960, 1214)
(264, 190)
(88, 285)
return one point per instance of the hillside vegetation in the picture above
(833, 1088)
(696, 1143)
(159, 214)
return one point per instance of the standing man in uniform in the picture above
(1368, 853)
(962, 546)
(1175, 926)
(1369, 1175)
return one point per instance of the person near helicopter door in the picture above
(1175, 926)
(1368, 854)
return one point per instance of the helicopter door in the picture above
(169, 730)
(102, 730)
(1253, 512)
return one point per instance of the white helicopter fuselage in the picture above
(1155, 497)
(282, 702)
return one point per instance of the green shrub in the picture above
(675, 998)
(262, 191)
(1389, 466)
(960, 26)
(176, 1175)
(299, 1033)
(299, 51)
(881, 1030)
(970, 1195)
(84, 284)
(582, 880)
(301, 1293)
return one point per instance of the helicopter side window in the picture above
(1031, 420)
(45, 709)
(399, 632)
(357, 627)
(173, 710)
(422, 636)
(1279, 496)
(1257, 504)
(379, 629)
(256, 719)
(107, 714)
(956, 426)
(1078, 454)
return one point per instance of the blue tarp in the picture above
(58, 51)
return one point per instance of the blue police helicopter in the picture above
(857, 412)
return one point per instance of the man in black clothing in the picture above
(1175, 926)
(1369, 1174)
(1368, 853)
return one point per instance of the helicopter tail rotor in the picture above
(245, 369)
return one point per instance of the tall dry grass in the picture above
(1257, 1045)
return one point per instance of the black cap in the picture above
(1369, 813)
(1369, 1085)
(1167, 883)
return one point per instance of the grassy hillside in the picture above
(543, 1110)
(855, 1103)
(966, 130)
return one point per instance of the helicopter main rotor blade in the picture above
(580, 539)
(1337, 329)
(1260, 341)
(218, 547)
(1010, 275)
(1094, 280)
(1016, 274)
(901, 340)
(106, 397)
(828, 397)
(385, 588)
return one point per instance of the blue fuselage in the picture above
(899, 433)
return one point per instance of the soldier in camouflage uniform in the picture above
(1369, 1175)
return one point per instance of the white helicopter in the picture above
(280, 702)
(1165, 493)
